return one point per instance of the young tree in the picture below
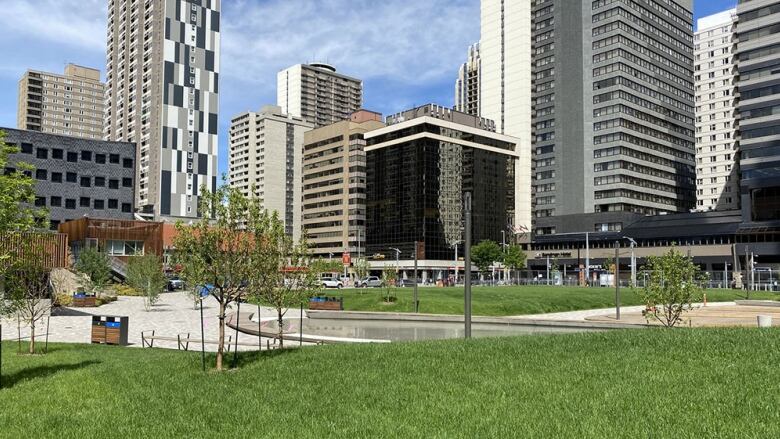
(283, 278)
(673, 285)
(94, 264)
(219, 249)
(390, 282)
(361, 269)
(17, 194)
(27, 293)
(484, 254)
(145, 274)
(515, 257)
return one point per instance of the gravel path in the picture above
(173, 314)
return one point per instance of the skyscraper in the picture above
(71, 103)
(468, 83)
(758, 63)
(613, 108)
(717, 180)
(505, 87)
(162, 94)
(266, 150)
(317, 93)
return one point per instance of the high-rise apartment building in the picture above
(505, 87)
(162, 94)
(70, 104)
(266, 150)
(758, 64)
(613, 121)
(467, 85)
(317, 93)
(717, 179)
(334, 185)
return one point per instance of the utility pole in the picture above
(617, 280)
(633, 261)
(467, 261)
(548, 271)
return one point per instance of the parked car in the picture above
(175, 283)
(370, 282)
(331, 282)
(405, 282)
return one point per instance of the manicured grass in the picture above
(635, 383)
(510, 300)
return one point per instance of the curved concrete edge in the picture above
(451, 318)
(246, 325)
(768, 303)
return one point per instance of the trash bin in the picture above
(110, 330)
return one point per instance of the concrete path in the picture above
(590, 314)
(173, 314)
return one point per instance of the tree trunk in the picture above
(32, 337)
(281, 326)
(221, 340)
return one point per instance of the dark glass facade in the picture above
(415, 193)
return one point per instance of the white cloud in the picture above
(80, 23)
(411, 41)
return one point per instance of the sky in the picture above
(407, 52)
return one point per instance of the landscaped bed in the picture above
(511, 300)
(632, 383)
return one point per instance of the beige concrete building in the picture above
(717, 183)
(318, 94)
(162, 93)
(468, 83)
(70, 104)
(334, 185)
(266, 150)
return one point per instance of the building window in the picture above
(56, 153)
(70, 177)
(100, 158)
(113, 184)
(73, 157)
(27, 148)
(113, 158)
(100, 204)
(56, 177)
(42, 153)
(113, 204)
(127, 163)
(55, 201)
(126, 207)
(100, 181)
(85, 182)
(84, 201)
(86, 156)
(70, 203)
(127, 182)
(40, 201)
(40, 174)
(125, 248)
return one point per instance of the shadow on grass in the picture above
(245, 358)
(42, 372)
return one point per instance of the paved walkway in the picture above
(173, 314)
(593, 314)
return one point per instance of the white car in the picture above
(331, 282)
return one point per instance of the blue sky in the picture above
(406, 51)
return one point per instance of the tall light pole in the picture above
(633, 261)
(617, 280)
(587, 260)
(467, 262)
(397, 255)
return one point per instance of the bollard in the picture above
(705, 299)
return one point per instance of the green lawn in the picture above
(507, 301)
(635, 383)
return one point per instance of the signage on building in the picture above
(346, 259)
(553, 255)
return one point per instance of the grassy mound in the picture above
(637, 383)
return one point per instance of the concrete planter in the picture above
(764, 321)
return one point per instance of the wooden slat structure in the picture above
(103, 230)
(52, 248)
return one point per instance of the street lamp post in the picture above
(617, 280)
(633, 261)
(467, 262)
(397, 256)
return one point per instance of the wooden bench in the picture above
(327, 305)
